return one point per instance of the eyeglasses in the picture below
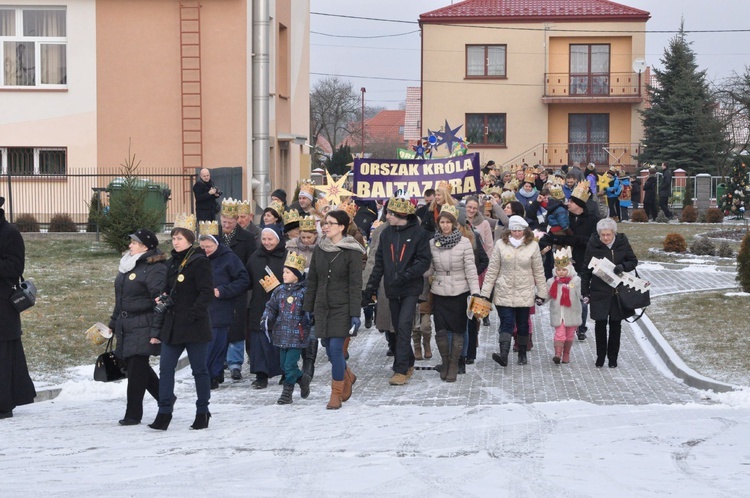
(329, 223)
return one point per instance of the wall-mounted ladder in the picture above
(190, 69)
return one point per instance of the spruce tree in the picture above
(338, 163)
(681, 126)
(735, 198)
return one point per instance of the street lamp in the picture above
(363, 90)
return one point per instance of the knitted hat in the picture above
(144, 235)
(279, 194)
(515, 222)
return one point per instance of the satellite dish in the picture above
(639, 65)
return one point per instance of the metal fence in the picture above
(44, 195)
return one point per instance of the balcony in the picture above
(603, 154)
(610, 88)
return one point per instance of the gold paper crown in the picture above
(444, 184)
(243, 207)
(582, 191)
(307, 186)
(451, 210)
(307, 224)
(512, 185)
(296, 261)
(183, 220)
(208, 228)
(401, 206)
(320, 204)
(507, 196)
(556, 191)
(480, 307)
(350, 208)
(489, 178)
(514, 168)
(278, 207)
(291, 217)
(495, 190)
(563, 257)
(529, 177)
(229, 207)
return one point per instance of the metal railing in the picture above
(610, 85)
(555, 155)
(71, 193)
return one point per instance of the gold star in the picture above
(334, 190)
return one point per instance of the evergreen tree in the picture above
(681, 126)
(337, 164)
(735, 198)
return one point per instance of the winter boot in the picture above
(346, 347)
(309, 355)
(462, 364)
(601, 346)
(581, 333)
(531, 343)
(558, 352)
(566, 351)
(304, 385)
(335, 402)
(417, 339)
(502, 357)
(457, 344)
(349, 380)
(201, 421)
(426, 344)
(441, 339)
(161, 423)
(286, 395)
(523, 341)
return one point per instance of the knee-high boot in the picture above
(600, 332)
(309, 355)
(523, 341)
(457, 344)
(441, 339)
(566, 351)
(416, 337)
(502, 357)
(559, 345)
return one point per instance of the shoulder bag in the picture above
(108, 367)
(23, 296)
(633, 299)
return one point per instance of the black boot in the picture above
(601, 343)
(201, 421)
(457, 345)
(309, 355)
(502, 357)
(162, 421)
(304, 385)
(581, 333)
(462, 364)
(286, 395)
(441, 339)
(523, 341)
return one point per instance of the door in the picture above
(588, 134)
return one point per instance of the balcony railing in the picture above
(621, 86)
(555, 155)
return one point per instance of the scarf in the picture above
(565, 298)
(228, 237)
(347, 242)
(522, 192)
(447, 241)
(515, 242)
(128, 261)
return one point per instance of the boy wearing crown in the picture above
(565, 304)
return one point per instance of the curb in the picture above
(53, 392)
(673, 362)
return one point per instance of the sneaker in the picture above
(236, 374)
(398, 379)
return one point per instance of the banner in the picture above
(381, 178)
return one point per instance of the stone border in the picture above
(673, 362)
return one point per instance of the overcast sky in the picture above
(361, 59)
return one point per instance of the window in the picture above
(33, 47)
(30, 161)
(485, 61)
(589, 70)
(588, 134)
(485, 129)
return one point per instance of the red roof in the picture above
(534, 10)
(386, 127)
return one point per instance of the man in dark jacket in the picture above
(16, 387)
(402, 258)
(665, 189)
(649, 194)
(635, 194)
(205, 193)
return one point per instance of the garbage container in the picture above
(720, 192)
(154, 199)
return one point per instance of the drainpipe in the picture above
(261, 182)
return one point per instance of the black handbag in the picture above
(23, 296)
(108, 367)
(632, 299)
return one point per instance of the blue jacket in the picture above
(614, 189)
(557, 214)
(285, 318)
(232, 280)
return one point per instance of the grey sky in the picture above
(399, 57)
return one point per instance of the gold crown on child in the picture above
(563, 257)
(296, 261)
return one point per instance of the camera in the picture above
(164, 302)
(219, 193)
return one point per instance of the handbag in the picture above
(108, 367)
(632, 299)
(23, 296)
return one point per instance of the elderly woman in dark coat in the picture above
(187, 326)
(601, 297)
(16, 387)
(333, 294)
(140, 280)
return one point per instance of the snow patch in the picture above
(737, 294)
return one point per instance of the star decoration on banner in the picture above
(334, 190)
(448, 137)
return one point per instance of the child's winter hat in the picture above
(295, 263)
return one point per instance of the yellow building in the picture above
(537, 81)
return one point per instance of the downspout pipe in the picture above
(260, 101)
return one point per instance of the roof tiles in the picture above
(530, 10)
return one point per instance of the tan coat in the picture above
(453, 270)
(515, 274)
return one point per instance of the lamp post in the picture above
(363, 90)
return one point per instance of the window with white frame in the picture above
(33, 161)
(33, 42)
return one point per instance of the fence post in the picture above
(702, 192)
(11, 216)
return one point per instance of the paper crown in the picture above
(307, 224)
(512, 185)
(450, 210)
(296, 261)
(277, 207)
(229, 207)
(563, 257)
(556, 191)
(183, 220)
(515, 168)
(479, 307)
(350, 208)
(269, 282)
(98, 334)
(291, 216)
(445, 184)
(208, 228)
(582, 191)
(495, 190)
(529, 177)
(507, 196)
(488, 179)
(243, 208)
(401, 206)
(320, 204)
(307, 187)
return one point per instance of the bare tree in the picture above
(334, 106)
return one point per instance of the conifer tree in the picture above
(737, 193)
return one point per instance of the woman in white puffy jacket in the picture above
(516, 276)
(453, 276)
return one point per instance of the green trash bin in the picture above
(155, 198)
(720, 188)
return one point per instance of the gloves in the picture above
(539, 301)
(585, 299)
(367, 299)
(618, 269)
(356, 323)
(310, 318)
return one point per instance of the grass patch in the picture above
(706, 333)
(643, 236)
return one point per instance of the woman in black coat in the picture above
(334, 296)
(264, 357)
(16, 387)
(187, 326)
(601, 297)
(140, 280)
(649, 195)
